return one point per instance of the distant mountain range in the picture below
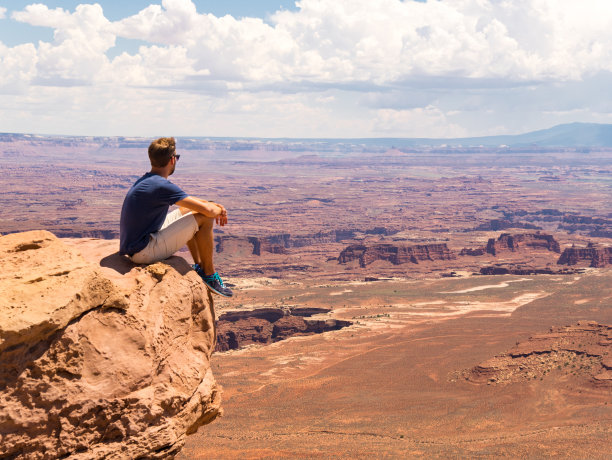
(570, 135)
(566, 135)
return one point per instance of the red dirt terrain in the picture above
(403, 384)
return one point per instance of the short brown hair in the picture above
(161, 151)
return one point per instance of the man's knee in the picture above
(203, 221)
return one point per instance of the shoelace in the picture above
(214, 277)
(218, 278)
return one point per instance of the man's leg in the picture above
(201, 247)
(202, 244)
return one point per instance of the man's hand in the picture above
(221, 219)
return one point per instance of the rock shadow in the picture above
(117, 262)
(122, 265)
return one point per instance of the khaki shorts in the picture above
(176, 230)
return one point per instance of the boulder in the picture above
(100, 360)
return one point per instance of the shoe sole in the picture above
(217, 292)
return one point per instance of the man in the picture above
(148, 233)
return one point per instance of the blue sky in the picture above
(312, 68)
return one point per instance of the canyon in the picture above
(381, 295)
(237, 329)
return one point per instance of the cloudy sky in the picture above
(311, 68)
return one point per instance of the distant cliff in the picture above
(280, 243)
(580, 350)
(509, 242)
(101, 360)
(396, 253)
(237, 329)
(592, 256)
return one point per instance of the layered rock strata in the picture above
(583, 350)
(100, 361)
(279, 244)
(396, 253)
(509, 242)
(592, 255)
(240, 328)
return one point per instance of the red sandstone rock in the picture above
(592, 256)
(396, 253)
(508, 242)
(473, 251)
(236, 334)
(99, 364)
(237, 329)
(581, 349)
(281, 243)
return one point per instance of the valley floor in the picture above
(391, 385)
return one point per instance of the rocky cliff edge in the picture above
(100, 358)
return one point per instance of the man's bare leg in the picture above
(201, 246)
(193, 249)
(191, 244)
(204, 241)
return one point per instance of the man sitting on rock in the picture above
(148, 233)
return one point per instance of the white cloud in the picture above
(2, 12)
(387, 65)
(17, 67)
(388, 41)
(340, 42)
(420, 122)
(81, 40)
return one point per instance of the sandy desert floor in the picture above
(390, 387)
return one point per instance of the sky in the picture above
(305, 69)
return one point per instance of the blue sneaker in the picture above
(213, 282)
(198, 270)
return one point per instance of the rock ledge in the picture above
(104, 360)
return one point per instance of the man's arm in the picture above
(207, 208)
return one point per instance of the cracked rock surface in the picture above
(100, 358)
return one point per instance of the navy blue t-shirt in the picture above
(144, 210)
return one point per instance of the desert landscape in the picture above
(391, 301)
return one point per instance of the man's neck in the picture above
(160, 172)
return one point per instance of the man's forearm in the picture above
(206, 208)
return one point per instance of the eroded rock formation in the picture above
(509, 242)
(473, 251)
(396, 253)
(237, 329)
(592, 255)
(104, 360)
(581, 351)
(279, 244)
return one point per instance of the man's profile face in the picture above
(173, 166)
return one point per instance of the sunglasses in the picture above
(177, 157)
